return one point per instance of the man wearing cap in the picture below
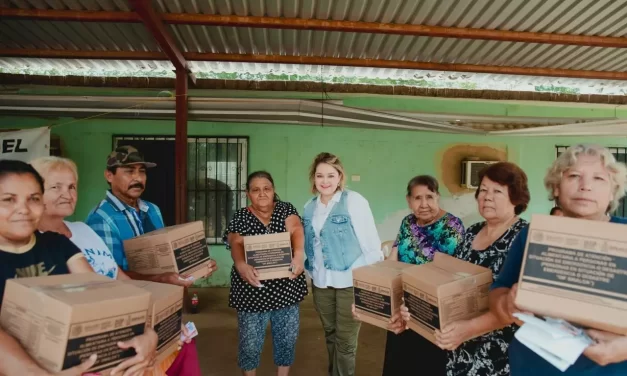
(123, 214)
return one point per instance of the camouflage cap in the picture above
(125, 156)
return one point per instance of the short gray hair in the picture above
(44, 165)
(617, 170)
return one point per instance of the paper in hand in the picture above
(560, 364)
(191, 328)
(557, 341)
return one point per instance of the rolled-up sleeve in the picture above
(510, 271)
(365, 228)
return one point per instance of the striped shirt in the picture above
(115, 221)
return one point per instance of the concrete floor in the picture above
(217, 341)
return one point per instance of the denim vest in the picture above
(340, 247)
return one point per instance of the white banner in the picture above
(26, 144)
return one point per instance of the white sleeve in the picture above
(307, 204)
(365, 228)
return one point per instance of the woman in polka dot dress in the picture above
(276, 300)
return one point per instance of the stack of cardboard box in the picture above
(436, 294)
(62, 320)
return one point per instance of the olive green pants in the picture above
(340, 329)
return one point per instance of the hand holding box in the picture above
(270, 255)
(178, 249)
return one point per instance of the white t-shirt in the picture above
(94, 249)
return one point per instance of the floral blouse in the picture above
(485, 355)
(418, 244)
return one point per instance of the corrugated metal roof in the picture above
(56, 35)
(238, 40)
(580, 17)
(584, 17)
(235, 40)
(93, 5)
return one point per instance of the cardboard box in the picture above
(165, 314)
(62, 320)
(270, 254)
(444, 291)
(378, 291)
(576, 269)
(180, 249)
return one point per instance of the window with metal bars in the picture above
(217, 168)
(620, 153)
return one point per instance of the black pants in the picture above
(411, 354)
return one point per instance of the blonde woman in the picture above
(340, 234)
(587, 182)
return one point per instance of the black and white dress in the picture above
(277, 293)
(485, 355)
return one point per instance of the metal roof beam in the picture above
(313, 60)
(317, 24)
(69, 15)
(389, 28)
(155, 26)
(83, 54)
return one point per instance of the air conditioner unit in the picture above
(470, 172)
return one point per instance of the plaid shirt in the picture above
(114, 222)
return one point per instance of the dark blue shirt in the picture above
(524, 362)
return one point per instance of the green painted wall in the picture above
(385, 160)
